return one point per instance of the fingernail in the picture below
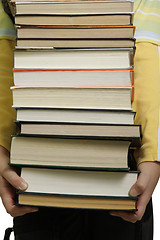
(133, 192)
(23, 186)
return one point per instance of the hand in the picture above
(144, 186)
(9, 182)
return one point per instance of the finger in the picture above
(141, 204)
(127, 216)
(16, 181)
(15, 211)
(140, 186)
(134, 216)
(8, 199)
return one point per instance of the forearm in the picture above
(7, 114)
(147, 99)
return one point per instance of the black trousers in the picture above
(73, 224)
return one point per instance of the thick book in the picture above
(99, 131)
(75, 115)
(49, 58)
(76, 32)
(78, 189)
(76, 43)
(73, 97)
(70, 152)
(116, 19)
(73, 7)
(73, 77)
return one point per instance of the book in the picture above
(78, 189)
(73, 77)
(111, 58)
(75, 115)
(98, 131)
(72, 7)
(51, 200)
(73, 97)
(114, 131)
(70, 152)
(76, 43)
(75, 32)
(74, 19)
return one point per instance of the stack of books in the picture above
(75, 24)
(74, 83)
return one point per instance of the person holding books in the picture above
(83, 224)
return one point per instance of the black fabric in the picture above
(7, 233)
(73, 224)
(147, 223)
(50, 223)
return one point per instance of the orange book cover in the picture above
(75, 26)
(42, 69)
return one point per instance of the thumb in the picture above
(139, 187)
(135, 190)
(13, 178)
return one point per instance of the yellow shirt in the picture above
(7, 29)
(146, 100)
(7, 114)
(147, 21)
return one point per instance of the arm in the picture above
(9, 179)
(146, 104)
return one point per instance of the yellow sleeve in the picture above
(147, 99)
(7, 114)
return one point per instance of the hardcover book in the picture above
(99, 131)
(78, 189)
(60, 115)
(70, 152)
